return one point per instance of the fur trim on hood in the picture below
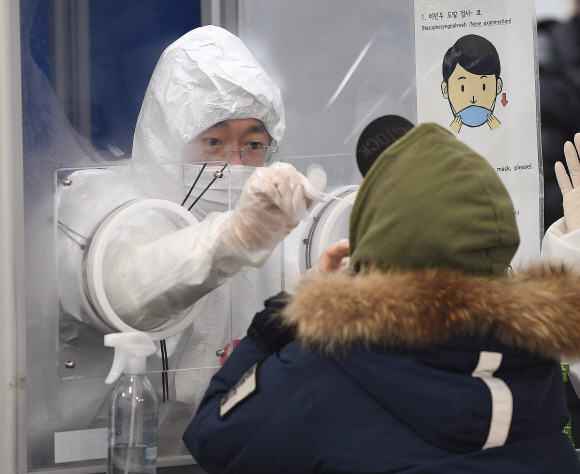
(538, 310)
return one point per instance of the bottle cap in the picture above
(131, 352)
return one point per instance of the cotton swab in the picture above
(317, 176)
(335, 197)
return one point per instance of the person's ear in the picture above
(444, 90)
(499, 86)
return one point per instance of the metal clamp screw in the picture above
(218, 174)
(69, 364)
(220, 353)
(66, 182)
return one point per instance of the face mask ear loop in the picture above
(194, 183)
(77, 238)
(208, 186)
(164, 358)
(165, 368)
(271, 156)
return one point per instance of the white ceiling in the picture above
(556, 9)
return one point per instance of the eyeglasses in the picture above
(250, 155)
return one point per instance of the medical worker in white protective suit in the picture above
(562, 240)
(207, 100)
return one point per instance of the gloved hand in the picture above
(570, 185)
(272, 203)
(267, 330)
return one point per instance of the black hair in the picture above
(473, 53)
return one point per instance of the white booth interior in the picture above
(340, 64)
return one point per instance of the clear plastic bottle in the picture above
(133, 408)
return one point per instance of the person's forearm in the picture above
(170, 274)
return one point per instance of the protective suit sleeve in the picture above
(562, 246)
(160, 277)
(561, 242)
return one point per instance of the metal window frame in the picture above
(13, 447)
(13, 421)
(222, 13)
(70, 73)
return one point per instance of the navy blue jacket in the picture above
(469, 390)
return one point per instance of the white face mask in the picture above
(222, 194)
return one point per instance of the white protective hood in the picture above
(206, 76)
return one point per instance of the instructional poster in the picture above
(476, 76)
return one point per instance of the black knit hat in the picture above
(377, 137)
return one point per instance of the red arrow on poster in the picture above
(504, 100)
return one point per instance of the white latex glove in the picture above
(274, 200)
(570, 185)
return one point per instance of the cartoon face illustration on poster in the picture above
(472, 82)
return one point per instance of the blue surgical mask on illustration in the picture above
(474, 116)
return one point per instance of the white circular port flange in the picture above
(316, 235)
(96, 255)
